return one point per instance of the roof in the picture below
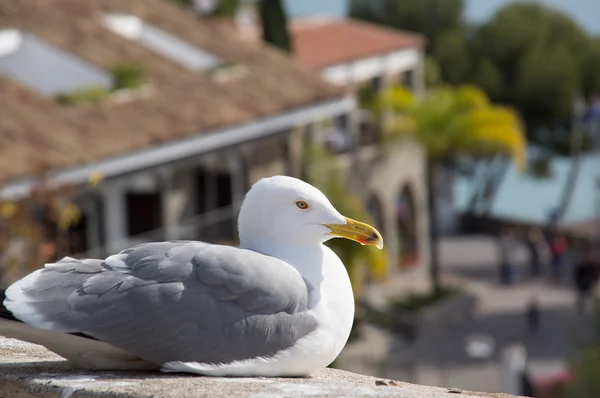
(37, 131)
(322, 42)
(523, 197)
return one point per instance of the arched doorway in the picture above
(407, 228)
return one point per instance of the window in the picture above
(44, 67)
(144, 213)
(161, 42)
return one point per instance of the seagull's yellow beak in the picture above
(358, 232)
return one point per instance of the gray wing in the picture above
(172, 301)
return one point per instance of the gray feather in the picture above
(173, 301)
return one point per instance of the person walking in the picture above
(508, 245)
(558, 249)
(538, 251)
(533, 315)
(586, 278)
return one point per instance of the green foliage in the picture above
(227, 8)
(590, 69)
(274, 23)
(540, 54)
(484, 73)
(440, 21)
(541, 166)
(321, 169)
(433, 74)
(585, 382)
(32, 230)
(528, 56)
(183, 3)
(365, 95)
(546, 90)
(452, 53)
(451, 122)
(127, 76)
(433, 18)
(92, 95)
(416, 302)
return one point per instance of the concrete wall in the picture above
(53, 377)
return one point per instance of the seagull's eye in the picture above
(302, 204)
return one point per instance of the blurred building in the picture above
(363, 59)
(179, 116)
(211, 116)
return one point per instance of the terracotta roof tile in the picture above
(185, 103)
(321, 42)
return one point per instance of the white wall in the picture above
(369, 68)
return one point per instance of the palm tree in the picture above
(450, 122)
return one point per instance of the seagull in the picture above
(279, 305)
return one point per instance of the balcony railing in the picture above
(215, 226)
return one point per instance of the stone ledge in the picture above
(28, 370)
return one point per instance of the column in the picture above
(294, 151)
(177, 193)
(418, 78)
(169, 204)
(92, 231)
(115, 213)
(238, 171)
(209, 223)
(238, 177)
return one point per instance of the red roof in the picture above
(320, 42)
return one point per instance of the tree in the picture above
(449, 123)
(528, 56)
(433, 18)
(590, 67)
(539, 53)
(439, 20)
(274, 24)
(321, 168)
(452, 52)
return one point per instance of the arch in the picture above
(406, 222)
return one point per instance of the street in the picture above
(442, 359)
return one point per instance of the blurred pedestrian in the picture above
(586, 278)
(508, 246)
(533, 315)
(559, 247)
(538, 251)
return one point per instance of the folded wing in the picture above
(172, 301)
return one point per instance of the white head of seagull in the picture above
(283, 210)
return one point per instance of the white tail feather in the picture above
(83, 352)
